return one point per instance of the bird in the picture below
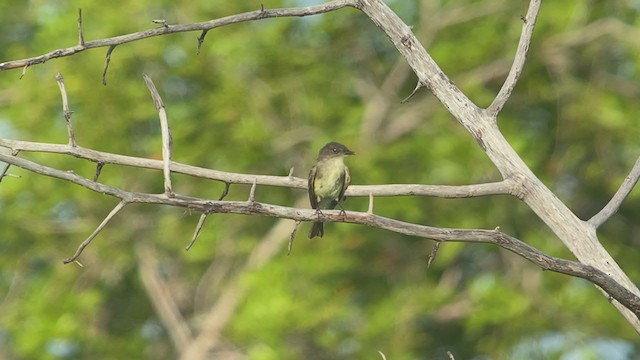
(328, 180)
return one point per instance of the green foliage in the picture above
(262, 97)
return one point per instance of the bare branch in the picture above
(225, 192)
(434, 252)
(252, 192)
(518, 61)
(65, 109)
(614, 204)
(6, 168)
(80, 35)
(203, 217)
(106, 64)
(207, 25)
(446, 191)
(104, 223)
(578, 236)
(201, 40)
(167, 141)
(24, 71)
(292, 236)
(99, 167)
(587, 272)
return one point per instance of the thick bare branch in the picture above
(577, 235)
(170, 29)
(614, 204)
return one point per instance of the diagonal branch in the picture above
(171, 29)
(518, 61)
(167, 141)
(614, 204)
(590, 273)
(104, 223)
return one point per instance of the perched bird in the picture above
(328, 180)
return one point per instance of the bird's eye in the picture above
(335, 150)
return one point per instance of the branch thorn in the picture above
(225, 191)
(252, 193)
(419, 86)
(197, 231)
(292, 236)
(106, 64)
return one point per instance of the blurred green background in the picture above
(263, 97)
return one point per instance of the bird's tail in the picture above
(316, 230)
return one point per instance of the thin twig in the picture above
(225, 192)
(104, 223)
(370, 209)
(65, 110)
(80, 35)
(99, 167)
(382, 354)
(616, 201)
(252, 192)
(6, 168)
(162, 22)
(203, 217)
(201, 40)
(292, 236)
(106, 64)
(167, 141)
(519, 60)
(434, 252)
(24, 71)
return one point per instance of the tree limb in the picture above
(613, 288)
(518, 61)
(445, 191)
(614, 204)
(170, 29)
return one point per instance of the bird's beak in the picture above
(349, 152)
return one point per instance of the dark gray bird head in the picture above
(334, 149)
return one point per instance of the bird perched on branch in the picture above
(328, 180)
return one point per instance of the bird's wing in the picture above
(313, 199)
(347, 182)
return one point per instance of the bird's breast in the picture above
(329, 178)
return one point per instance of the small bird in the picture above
(328, 180)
